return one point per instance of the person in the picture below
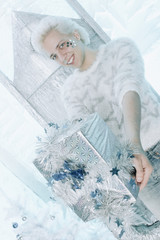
(109, 80)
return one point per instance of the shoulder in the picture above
(125, 44)
(126, 49)
(121, 43)
(118, 46)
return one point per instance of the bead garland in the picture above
(15, 225)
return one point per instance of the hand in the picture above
(143, 169)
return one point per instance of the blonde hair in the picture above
(62, 25)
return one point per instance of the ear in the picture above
(76, 35)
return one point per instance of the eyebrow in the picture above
(52, 54)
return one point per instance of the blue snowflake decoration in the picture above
(130, 154)
(115, 171)
(97, 198)
(59, 176)
(119, 222)
(79, 120)
(119, 154)
(126, 197)
(121, 233)
(38, 151)
(65, 125)
(55, 125)
(38, 138)
(133, 187)
(99, 179)
(79, 174)
(67, 166)
(76, 185)
(50, 182)
(132, 183)
(98, 205)
(45, 130)
(71, 172)
(94, 194)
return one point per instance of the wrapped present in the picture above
(91, 171)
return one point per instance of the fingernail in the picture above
(139, 179)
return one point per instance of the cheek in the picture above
(78, 56)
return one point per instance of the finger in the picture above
(147, 174)
(139, 170)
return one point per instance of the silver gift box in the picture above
(90, 170)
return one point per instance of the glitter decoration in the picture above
(52, 217)
(24, 218)
(19, 237)
(15, 225)
(72, 43)
(68, 44)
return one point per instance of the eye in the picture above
(61, 45)
(53, 56)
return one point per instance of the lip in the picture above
(72, 61)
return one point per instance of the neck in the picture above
(89, 58)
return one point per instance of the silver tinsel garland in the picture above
(92, 172)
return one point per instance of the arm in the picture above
(128, 86)
(131, 107)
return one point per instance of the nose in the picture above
(61, 57)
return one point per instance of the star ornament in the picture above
(99, 179)
(118, 222)
(121, 233)
(132, 183)
(126, 197)
(115, 171)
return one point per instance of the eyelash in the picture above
(62, 44)
(53, 57)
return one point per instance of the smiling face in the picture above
(60, 47)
